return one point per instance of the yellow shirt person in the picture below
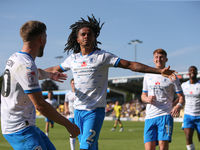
(117, 111)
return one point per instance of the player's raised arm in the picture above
(139, 67)
(54, 69)
(56, 76)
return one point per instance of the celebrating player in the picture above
(191, 121)
(158, 93)
(55, 105)
(21, 93)
(90, 66)
(69, 110)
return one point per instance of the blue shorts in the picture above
(158, 129)
(31, 138)
(191, 122)
(90, 123)
(48, 120)
(71, 120)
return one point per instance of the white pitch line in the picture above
(5, 145)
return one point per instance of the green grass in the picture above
(130, 139)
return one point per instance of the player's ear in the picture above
(77, 40)
(166, 59)
(40, 39)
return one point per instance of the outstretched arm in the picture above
(139, 67)
(56, 76)
(54, 69)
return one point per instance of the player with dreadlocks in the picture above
(89, 66)
(72, 44)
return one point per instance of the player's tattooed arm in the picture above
(43, 74)
(139, 67)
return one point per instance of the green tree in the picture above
(48, 85)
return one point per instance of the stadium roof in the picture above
(133, 84)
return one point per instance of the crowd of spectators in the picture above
(129, 109)
(133, 108)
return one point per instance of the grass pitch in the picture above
(130, 139)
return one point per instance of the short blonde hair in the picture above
(160, 51)
(32, 29)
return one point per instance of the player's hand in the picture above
(74, 130)
(169, 73)
(150, 99)
(176, 111)
(57, 76)
(67, 112)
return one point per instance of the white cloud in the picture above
(183, 51)
(7, 16)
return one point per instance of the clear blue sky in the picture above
(171, 25)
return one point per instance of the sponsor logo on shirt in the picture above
(31, 76)
(157, 83)
(10, 63)
(84, 64)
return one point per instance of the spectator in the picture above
(55, 105)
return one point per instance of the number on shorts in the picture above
(168, 129)
(91, 136)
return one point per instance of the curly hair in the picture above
(92, 23)
(193, 67)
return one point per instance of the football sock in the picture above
(190, 147)
(72, 143)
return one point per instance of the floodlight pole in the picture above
(135, 42)
(59, 57)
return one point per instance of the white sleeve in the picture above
(110, 59)
(28, 78)
(66, 98)
(66, 65)
(177, 86)
(145, 86)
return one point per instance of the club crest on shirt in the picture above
(30, 68)
(93, 60)
(31, 76)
